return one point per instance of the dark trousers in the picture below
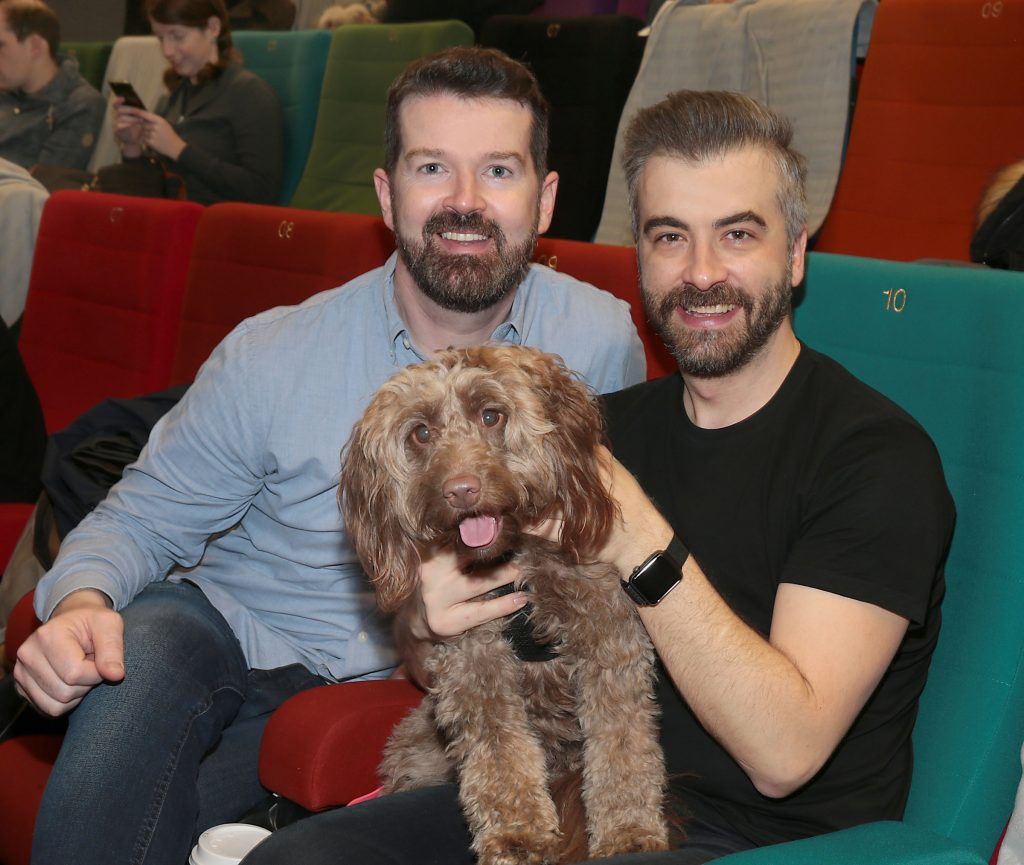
(151, 762)
(425, 827)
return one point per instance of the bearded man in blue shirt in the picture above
(216, 579)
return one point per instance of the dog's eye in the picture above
(491, 417)
(421, 434)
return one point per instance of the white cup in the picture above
(226, 844)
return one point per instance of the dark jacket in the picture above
(22, 431)
(234, 131)
(57, 125)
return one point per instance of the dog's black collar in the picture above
(519, 633)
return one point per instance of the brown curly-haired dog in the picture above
(465, 451)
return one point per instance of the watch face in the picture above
(655, 578)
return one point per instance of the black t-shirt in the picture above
(829, 485)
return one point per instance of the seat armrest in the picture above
(321, 748)
(881, 843)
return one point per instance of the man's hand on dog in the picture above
(450, 599)
(80, 646)
(448, 603)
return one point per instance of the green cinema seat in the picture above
(292, 62)
(349, 140)
(944, 343)
(92, 59)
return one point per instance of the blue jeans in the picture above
(151, 762)
(425, 827)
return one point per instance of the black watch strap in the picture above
(658, 574)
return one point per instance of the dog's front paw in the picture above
(519, 848)
(630, 839)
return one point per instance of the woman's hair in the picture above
(196, 13)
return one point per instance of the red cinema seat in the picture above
(103, 305)
(322, 747)
(614, 269)
(939, 110)
(104, 300)
(248, 258)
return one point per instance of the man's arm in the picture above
(778, 706)
(196, 477)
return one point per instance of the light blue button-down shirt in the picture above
(250, 457)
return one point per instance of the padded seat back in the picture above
(614, 269)
(940, 108)
(349, 140)
(293, 64)
(795, 56)
(585, 67)
(248, 258)
(92, 59)
(104, 298)
(136, 59)
(956, 366)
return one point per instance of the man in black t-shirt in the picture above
(795, 631)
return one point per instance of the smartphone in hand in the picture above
(125, 90)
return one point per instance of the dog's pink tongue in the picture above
(478, 531)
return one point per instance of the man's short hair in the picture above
(696, 125)
(28, 17)
(470, 73)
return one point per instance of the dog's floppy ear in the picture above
(369, 493)
(587, 510)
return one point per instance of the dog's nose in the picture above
(462, 491)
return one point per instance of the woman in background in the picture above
(220, 128)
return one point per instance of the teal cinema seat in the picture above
(349, 140)
(291, 62)
(944, 343)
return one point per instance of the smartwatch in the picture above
(659, 573)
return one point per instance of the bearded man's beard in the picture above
(714, 353)
(465, 282)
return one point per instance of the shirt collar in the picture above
(510, 330)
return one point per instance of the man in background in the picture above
(49, 114)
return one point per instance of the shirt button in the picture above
(362, 636)
(406, 343)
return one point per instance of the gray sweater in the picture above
(57, 125)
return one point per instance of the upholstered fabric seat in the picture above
(940, 108)
(293, 64)
(348, 143)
